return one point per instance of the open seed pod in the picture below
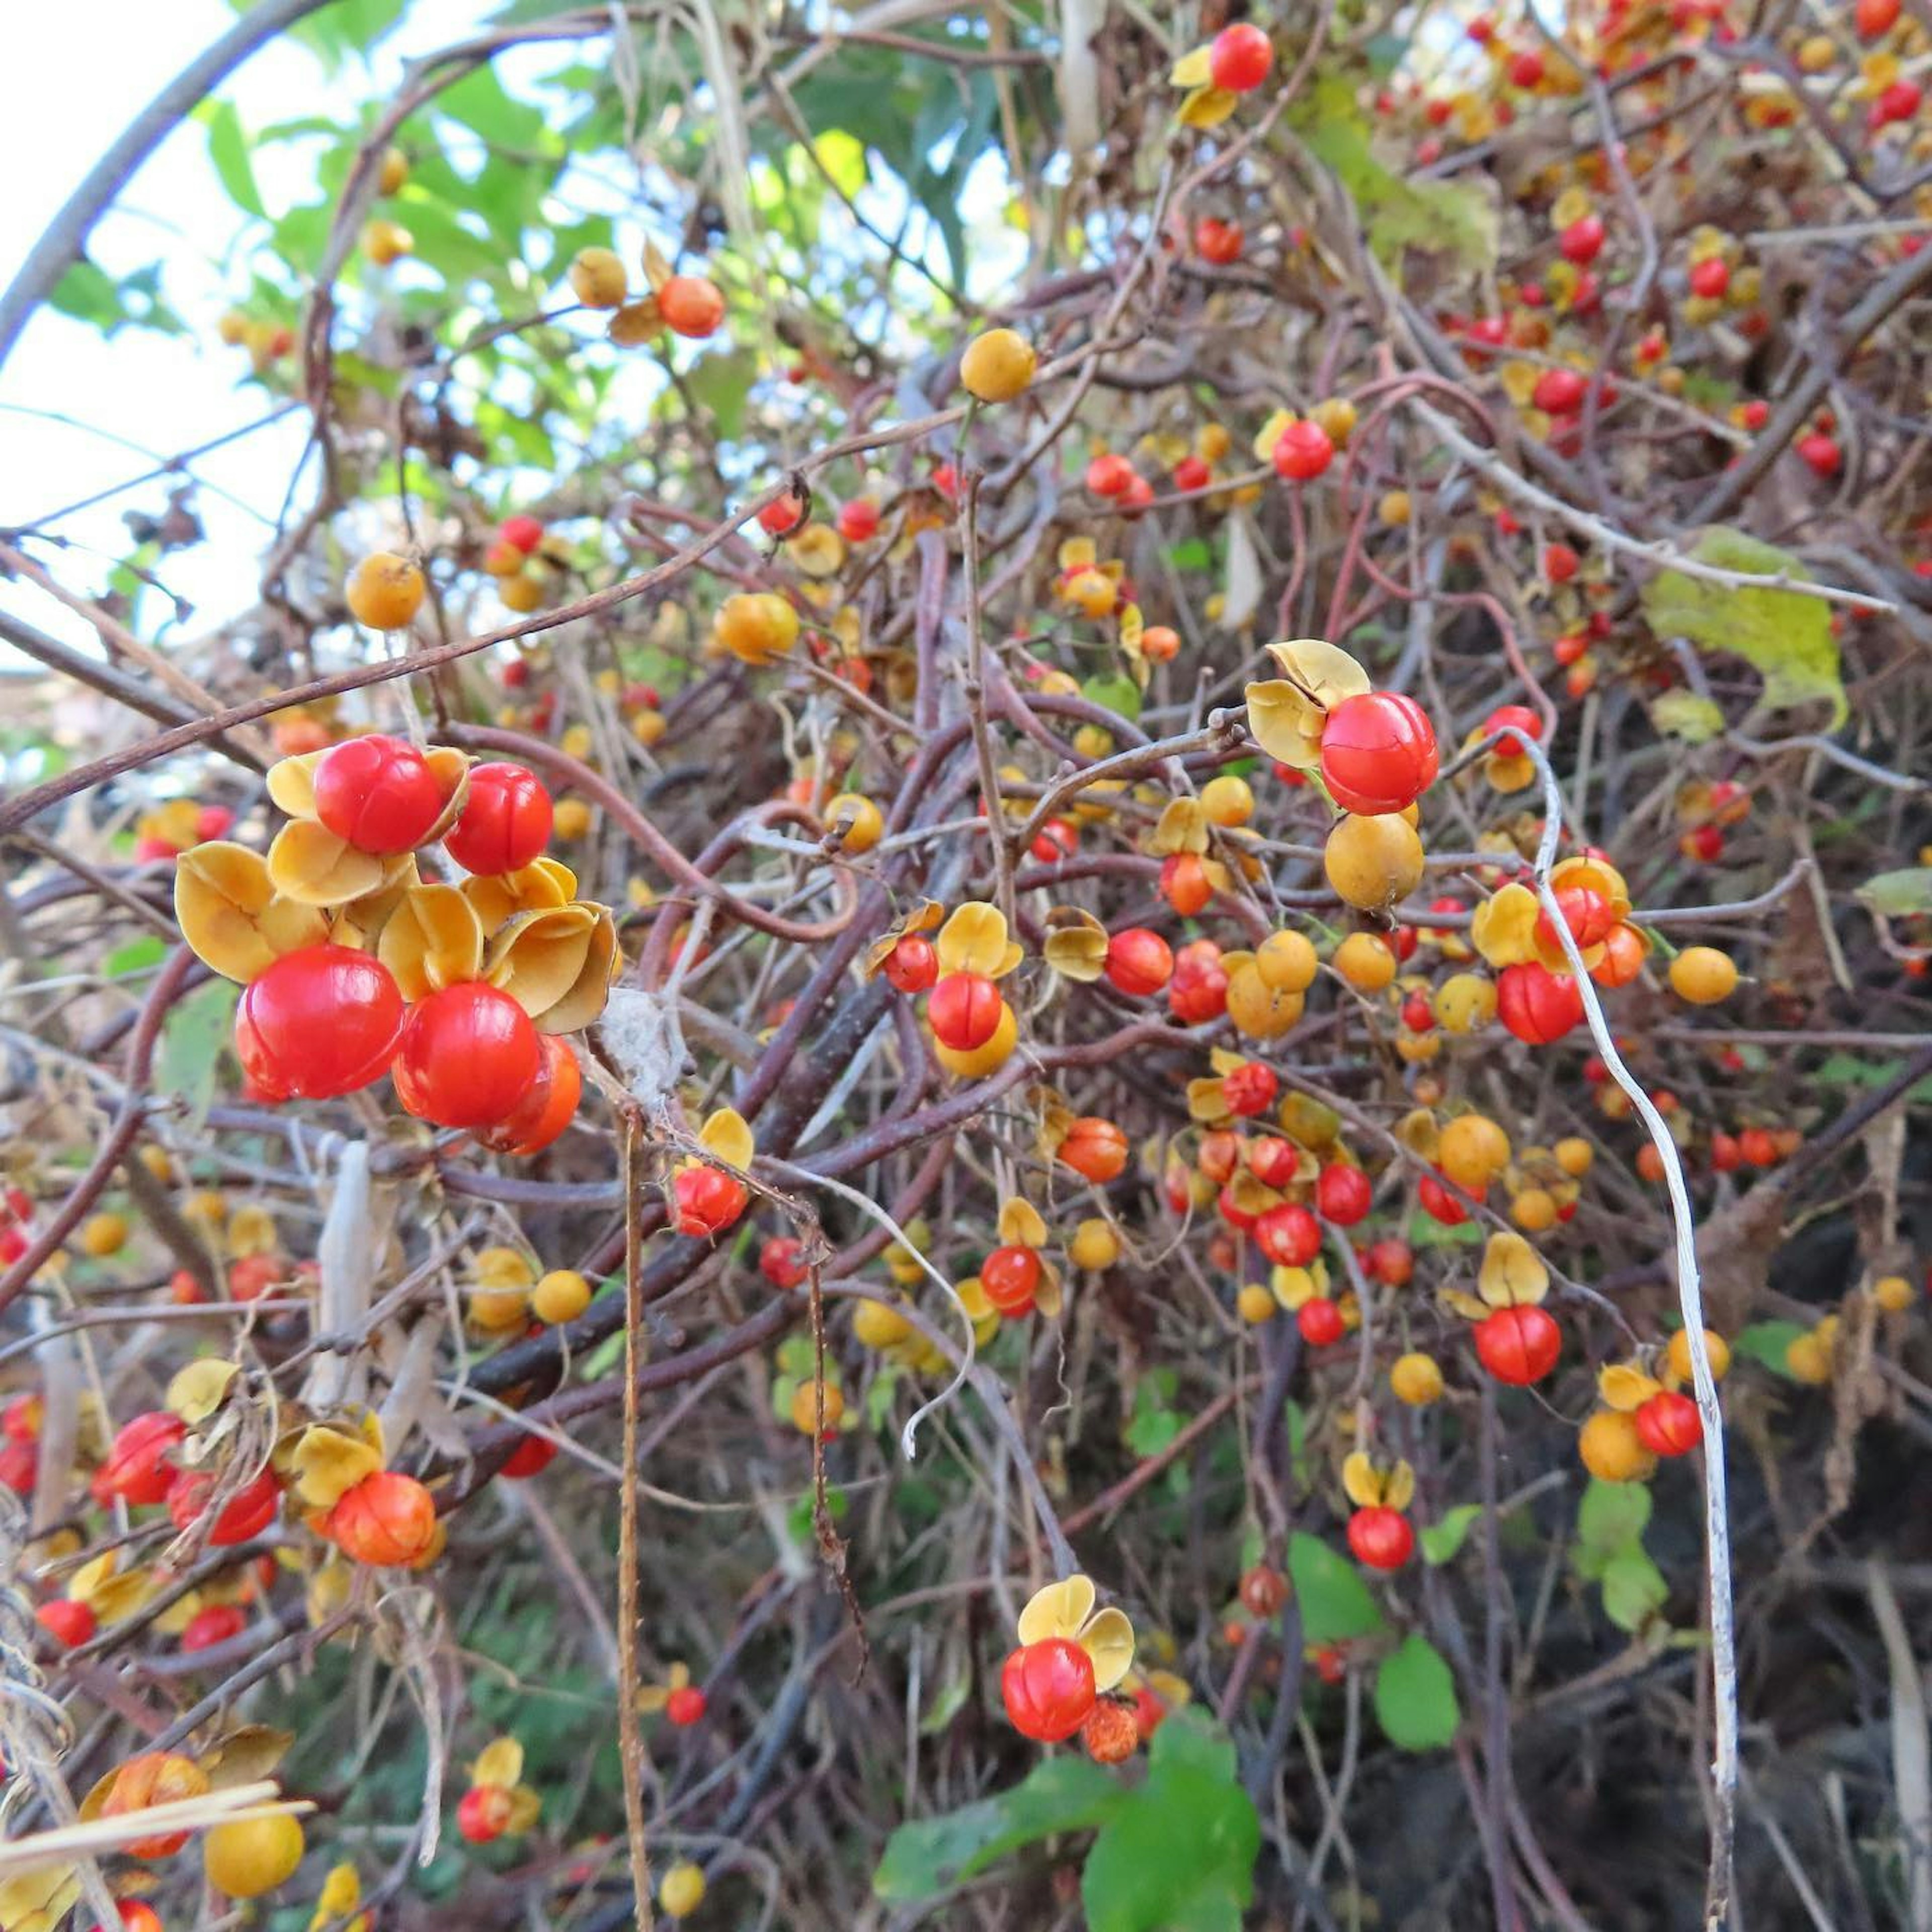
(432, 940)
(557, 963)
(232, 916)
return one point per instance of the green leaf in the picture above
(1903, 895)
(932, 1855)
(137, 956)
(1612, 1516)
(798, 1518)
(1784, 635)
(1683, 714)
(1153, 1423)
(723, 384)
(348, 27)
(1335, 1602)
(1118, 694)
(1415, 1697)
(1634, 1590)
(192, 1040)
(228, 150)
(481, 103)
(1441, 1541)
(89, 294)
(1180, 1851)
(1456, 217)
(1768, 1343)
(1191, 553)
(843, 158)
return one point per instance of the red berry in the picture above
(377, 793)
(709, 1200)
(524, 533)
(19, 1466)
(1191, 473)
(505, 822)
(1378, 753)
(859, 520)
(1249, 1089)
(963, 1011)
(1512, 718)
(1382, 1539)
(1898, 102)
(1874, 17)
(1418, 1015)
(1199, 988)
(1110, 476)
(912, 965)
(1010, 1276)
(1218, 241)
(246, 1513)
(1273, 1161)
(1438, 1204)
(215, 1625)
(1320, 1323)
(1519, 1345)
(1537, 1005)
(137, 1469)
(468, 1056)
(1560, 392)
(1302, 451)
(1389, 1261)
(1585, 912)
(1710, 278)
(1343, 1194)
(1668, 1424)
(1288, 1235)
(530, 1457)
(1821, 452)
(779, 1260)
(1240, 58)
(1560, 562)
(548, 1106)
(1048, 1688)
(1582, 241)
(1138, 961)
(483, 1812)
(1058, 839)
(1727, 1156)
(319, 1023)
(685, 1705)
(1526, 70)
(68, 1623)
(782, 515)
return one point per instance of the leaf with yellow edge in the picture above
(1207, 107)
(328, 1463)
(1361, 1481)
(1194, 68)
(309, 864)
(1059, 1610)
(974, 940)
(1503, 929)
(1021, 1225)
(1076, 944)
(245, 1756)
(1512, 1273)
(432, 940)
(1182, 827)
(1625, 1387)
(499, 1763)
(1107, 1638)
(543, 882)
(291, 783)
(231, 915)
(198, 1390)
(725, 1134)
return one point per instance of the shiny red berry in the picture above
(963, 1011)
(1519, 1345)
(1343, 1194)
(1438, 1204)
(1010, 1276)
(524, 533)
(319, 1023)
(1320, 1323)
(1239, 58)
(547, 1109)
(1668, 1423)
(505, 822)
(1249, 1088)
(685, 1705)
(1512, 718)
(468, 1056)
(1302, 451)
(1537, 1005)
(779, 1260)
(215, 1625)
(1378, 753)
(137, 1469)
(1110, 476)
(1139, 961)
(859, 520)
(67, 1622)
(912, 965)
(1288, 1235)
(377, 793)
(246, 1513)
(1381, 1538)
(1048, 1689)
(708, 1201)
(1218, 242)
(1560, 392)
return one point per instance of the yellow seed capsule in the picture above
(385, 591)
(562, 1295)
(1287, 962)
(394, 172)
(1703, 975)
(998, 365)
(804, 1407)
(1533, 1209)
(597, 278)
(1394, 510)
(104, 1235)
(1611, 1449)
(1808, 1358)
(1228, 800)
(757, 626)
(1416, 1379)
(386, 242)
(1365, 962)
(1372, 863)
(251, 1855)
(876, 1325)
(1894, 1294)
(570, 818)
(1465, 1002)
(682, 1890)
(1255, 1303)
(1679, 1355)
(1574, 1155)
(1094, 1245)
(860, 821)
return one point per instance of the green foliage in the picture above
(228, 151)
(1785, 636)
(1415, 1696)
(91, 295)
(192, 1040)
(1610, 1551)
(1902, 895)
(1335, 1604)
(1683, 714)
(1441, 1540)
(1767, 1342)
(1175, 1853)
(1118, 694)
(1155, 1422)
